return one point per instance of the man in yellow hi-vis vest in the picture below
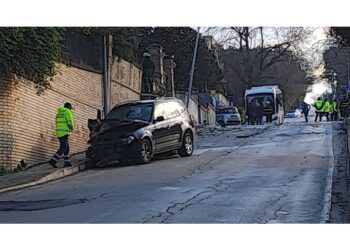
(319, 107)
(64, 128)
(326, 109)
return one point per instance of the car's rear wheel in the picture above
(187, 145)
(145, 154)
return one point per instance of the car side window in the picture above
(161, 110)
(174, 109)
(168, 110)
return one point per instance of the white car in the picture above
(295, 113)
(299, 112)
(228, 116)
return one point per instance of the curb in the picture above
(58, 174)
(327, 198)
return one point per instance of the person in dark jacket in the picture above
(250, 114)
(306, 109)
(148, 69)
(259, 113)
(334, 116)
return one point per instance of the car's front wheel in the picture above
(145, 154)
(187, 145)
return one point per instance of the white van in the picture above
(264, 94)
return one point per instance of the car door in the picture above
(161, 128)
(168, 133)
(177, 120)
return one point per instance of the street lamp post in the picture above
(192, 69)
(335, 89)
(105, 74)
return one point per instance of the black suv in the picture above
(139, 130)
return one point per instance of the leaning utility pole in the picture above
(192, 69)
(107, 54)
(105, 74)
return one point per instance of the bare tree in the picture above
(260, 47)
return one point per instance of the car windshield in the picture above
(261, 98)
(127, 112)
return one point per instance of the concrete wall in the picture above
(203, 115)
(193, 105)
(211, 115)
(208, 115)
(27, 123)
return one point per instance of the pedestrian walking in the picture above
(268, 110)
(306, 109)
(64, 128)
(318, 106)
(335, 110)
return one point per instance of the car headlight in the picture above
(128, 139)
(131, 138)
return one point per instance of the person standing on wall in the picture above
(64, 128)
(148, 69)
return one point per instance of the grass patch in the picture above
(21, 166)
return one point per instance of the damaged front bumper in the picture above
(105, 154)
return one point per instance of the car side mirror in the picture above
(99, 114)
(159, 119)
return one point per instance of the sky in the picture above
(311, 49)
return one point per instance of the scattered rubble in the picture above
(239, 131)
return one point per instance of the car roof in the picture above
(225, 107)
(159, 99)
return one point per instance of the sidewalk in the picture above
(340, 206)
(41, 174)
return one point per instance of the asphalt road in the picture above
(278, 176)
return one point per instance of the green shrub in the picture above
(31, 52)
(21, 166)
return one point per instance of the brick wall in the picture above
(27, 121)
(125, 82)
